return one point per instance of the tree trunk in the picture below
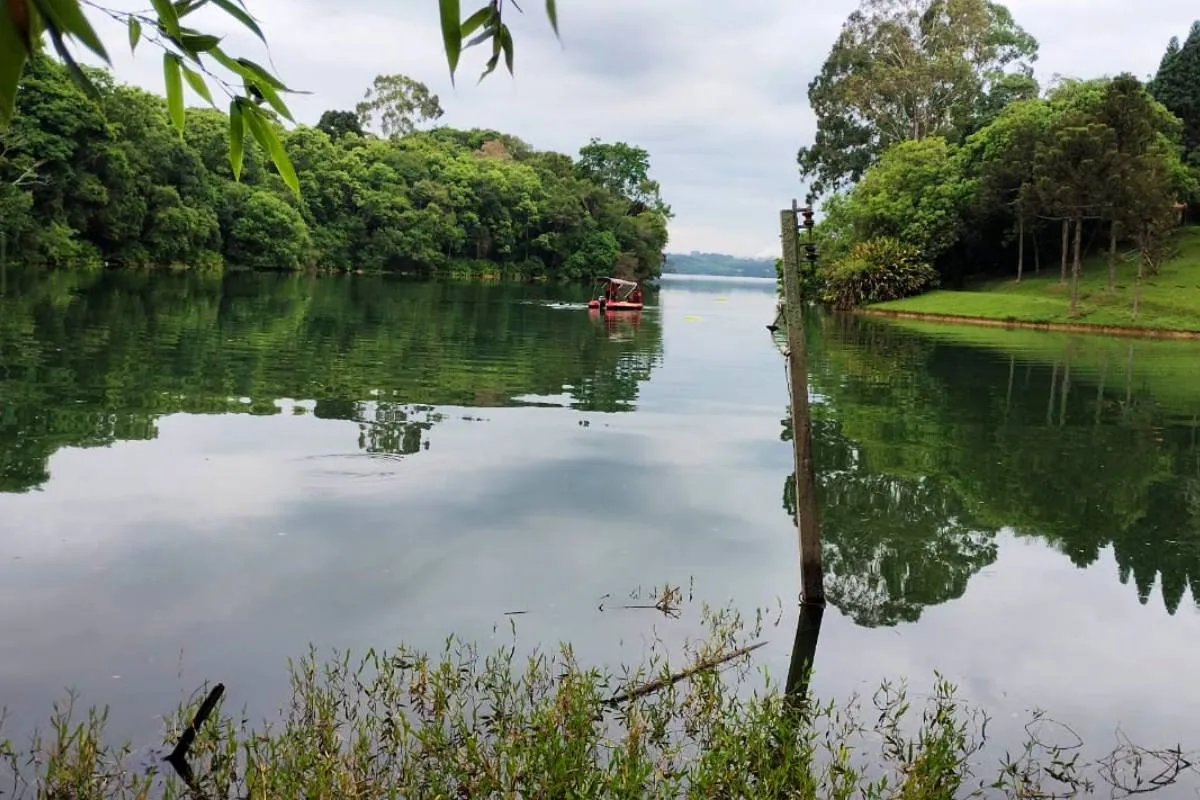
(1112, 256)
(1137, 284)
(1020, 248)
(1037, 255)
(1066, 248)
(1075, 265)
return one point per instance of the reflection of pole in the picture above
(804, 651)
(1012, 365)
(1129, 377)
(812, 588)
(1066, 388)
(1053, 391)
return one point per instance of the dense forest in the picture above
(939, 157)
(697, 263)
(86, 181)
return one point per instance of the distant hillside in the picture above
(695, 263)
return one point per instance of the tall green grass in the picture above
(467, 724)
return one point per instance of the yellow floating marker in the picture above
(693, 318)
(721, 300)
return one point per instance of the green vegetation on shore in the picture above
(465, 723)
(1169, 300)
(88, 181)
(1007, 178)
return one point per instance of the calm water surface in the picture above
(200, 478)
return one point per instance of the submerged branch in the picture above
(662, 683)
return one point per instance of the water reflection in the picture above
(89, 360)
(926, 448)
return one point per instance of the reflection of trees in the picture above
(89, 359)
(938, 445)
(892, 544)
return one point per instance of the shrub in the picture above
(877, 270)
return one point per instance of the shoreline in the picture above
(1063, 327)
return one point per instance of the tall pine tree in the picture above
(1177, 86)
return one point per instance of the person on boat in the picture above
(637, 295)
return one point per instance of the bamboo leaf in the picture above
(490, 67)
(135, 33)
(451, 14)
(474, 21)
(68, 17)
(77, 74)
(16, 36)
(237, 12)
(506, 44)
(552, 14)
(269, 94)
(260, 75)
(196, 81)
(266, 137)
(171, 74)
(199, 42)
(168, 18)
(237, 135)
(479, 38)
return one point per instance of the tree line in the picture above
(938, 156)
(86, 180)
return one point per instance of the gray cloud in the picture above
(714, 90)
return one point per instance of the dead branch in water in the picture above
(662, 683)
(178, 756)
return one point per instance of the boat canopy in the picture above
(624, 288)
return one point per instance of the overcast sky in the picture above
(714, 90)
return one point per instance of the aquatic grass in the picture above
(462, 723)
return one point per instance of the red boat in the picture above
(617, 295)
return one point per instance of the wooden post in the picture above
(812, 582)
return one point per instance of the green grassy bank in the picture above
(467, 724)
(1170, 300)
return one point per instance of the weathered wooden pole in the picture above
(812, 581)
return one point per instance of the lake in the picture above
(200, 477)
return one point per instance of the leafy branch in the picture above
(188, 54)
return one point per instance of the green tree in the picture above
(1143, 177)
(1001, 158)
(339, 123)
(916, 194)
(264, 231)
(1075, 167)
(399, 104)
(1177, 86)
(625, 169)
(907, 69)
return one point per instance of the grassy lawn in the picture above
(1170, 300)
